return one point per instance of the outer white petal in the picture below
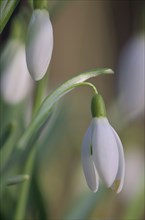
(16, 82)
(105, 151)
(90, 172)
(39, 43)
(119, 180)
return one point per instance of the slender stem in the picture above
(89, 84)
(22, 201)
(39, 93)
(29, 166)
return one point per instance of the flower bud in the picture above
(39, 44)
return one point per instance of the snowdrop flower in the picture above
(39, 43)
(102, 151)
(131, 77)
(16, 82)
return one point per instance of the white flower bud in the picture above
(39, 43)
(16, 82)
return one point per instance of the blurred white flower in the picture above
(103, 156)
(16, 82)
(39, 43)
(131, 71)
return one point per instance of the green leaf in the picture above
(6, 9)
(5, 134)
(36, 199)
(41, 116)
(9, 135)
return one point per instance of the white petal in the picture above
(119, 180)
(90, 172)
(39, 43)
(16, 82)
(105, 151)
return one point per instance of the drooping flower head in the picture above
(102, 151)
(39, 43)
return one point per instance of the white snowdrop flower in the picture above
(102, 151)
(131, 71)
(39, 43)
(16, 82)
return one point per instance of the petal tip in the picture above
(93, 188)
(116, 186)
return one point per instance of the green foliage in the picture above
(7, 7)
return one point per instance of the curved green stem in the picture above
(87, 84)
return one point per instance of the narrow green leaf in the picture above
(6, 9)
(36, 198)
(6, 133)
(9, 136)
(3, 5)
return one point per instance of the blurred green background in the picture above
(87, 35)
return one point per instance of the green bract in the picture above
(98, 106)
